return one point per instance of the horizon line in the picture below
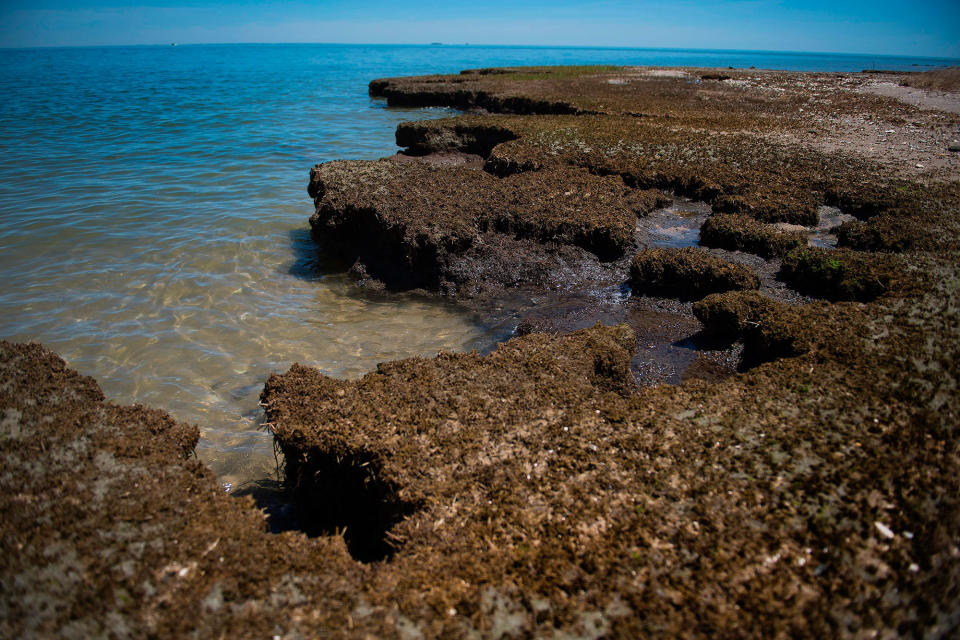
(483, 45)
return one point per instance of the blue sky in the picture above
(920, 28)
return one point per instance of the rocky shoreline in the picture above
(800, 482)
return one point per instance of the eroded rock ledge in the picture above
(111, 527)
(811, 496)
(787, 499)
(418, 225)
(537, 491)
(528, 492)
(551, 194)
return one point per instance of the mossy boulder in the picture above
(688, 273)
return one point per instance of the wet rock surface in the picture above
(799, 481)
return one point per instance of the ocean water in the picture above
(153, 215)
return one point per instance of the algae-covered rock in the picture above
(734, 314)
(742, 233)
(466, 136)
(455, 399)
(525, 490)
(463, 92)
(413, 224)
(539, 470)
(884, 232)
(536, 491)
(867, 198)
(111, 527)
(840, 274)
(687, 273)
(771, 330)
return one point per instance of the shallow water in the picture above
(824, 234)
(675, 226)
(154, 232)
(153, 216)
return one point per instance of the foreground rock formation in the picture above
(539, 491)
(112, 528)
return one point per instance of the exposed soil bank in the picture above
(538, 491)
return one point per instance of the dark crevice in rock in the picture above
(310, 262)
(748, 318)
(281, 509)
(383, 251)
(470, 100)
(345, 495)
(420, 138)
(506, 167)
(760, 348)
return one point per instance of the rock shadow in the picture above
(326, 495)
(310, 260)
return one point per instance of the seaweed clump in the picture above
(687, 273)
(840, 274)
(738, 232)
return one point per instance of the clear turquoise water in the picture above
(153, 215)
